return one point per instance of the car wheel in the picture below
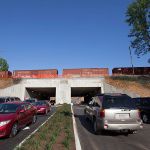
(133, 131)
(14, 130)
(34, 119)
(145, 118)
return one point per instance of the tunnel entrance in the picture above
(83, 94)
(41, 93)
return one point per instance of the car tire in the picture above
(34, 119)
(14, 130)
(132, 131)
(145, 118)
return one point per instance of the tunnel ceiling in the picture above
(83, 91)
(49, 91)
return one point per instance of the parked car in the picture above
(14, 116)
(9, 99)
(113, 112)
(143, 104)
(32, 101)
(42, 106)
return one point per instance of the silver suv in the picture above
(113, 112)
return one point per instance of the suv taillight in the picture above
(102, 113)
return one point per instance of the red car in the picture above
(43, 107)
(14, 116)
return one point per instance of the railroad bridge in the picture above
(74, 84)
(61, 88)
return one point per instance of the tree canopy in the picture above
(3, 65)
(138, 17)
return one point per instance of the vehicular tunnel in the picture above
(83, 94)
(41, 93)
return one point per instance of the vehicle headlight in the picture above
(2, 123)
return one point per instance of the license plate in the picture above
(122, 116)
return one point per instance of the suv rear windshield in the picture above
(118, 102)
(145, 101)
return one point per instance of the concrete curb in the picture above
(20, 144)
(77, 141)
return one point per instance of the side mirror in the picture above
(22, 111)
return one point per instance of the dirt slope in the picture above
(5, 83)
(140, 88)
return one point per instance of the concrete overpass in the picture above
(60, 88)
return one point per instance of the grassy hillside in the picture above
(5, 83)
(136, 84)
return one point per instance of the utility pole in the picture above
(131, 60)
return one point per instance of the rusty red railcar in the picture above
(130, 71)
(46, 73)
(85, 72)
(5, 74)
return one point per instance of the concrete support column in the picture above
(63, 92)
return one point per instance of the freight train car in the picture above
(85, 72)
(5, 74)
(47, 73)
(130, 71)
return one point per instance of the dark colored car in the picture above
(42, 107)
(143, 104)
(14, 116)
(32, 101)
(9, 99)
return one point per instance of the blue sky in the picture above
(43, 34)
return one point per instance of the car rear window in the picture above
(118, 102)
(40, 103)
(8, 108)
(2, 100)
(30, 101)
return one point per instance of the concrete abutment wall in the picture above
(62, 87)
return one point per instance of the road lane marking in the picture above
(77, 141)
(26, 128)
(20, 144)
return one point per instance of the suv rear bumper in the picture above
(118, 127)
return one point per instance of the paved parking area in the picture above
(109, 141)
(11, 143)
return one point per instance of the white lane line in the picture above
(77, 141)
(20, 144)
(26, 128)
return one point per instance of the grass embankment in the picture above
(56, 134)
(7, 82)
(136, 84)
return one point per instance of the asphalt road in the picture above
(11, 143)
(109, 141)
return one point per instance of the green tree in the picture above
(3, 65)
(138, 17)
